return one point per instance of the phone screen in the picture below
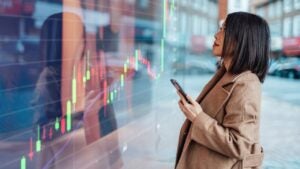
(179, 88)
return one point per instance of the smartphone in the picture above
(179, 89)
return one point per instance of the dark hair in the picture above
(51, 40)
(52, 37)
(247, 40)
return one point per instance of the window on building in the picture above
(288, 5)
(199, 21)
(197, 4)
(204, 5)
(194, 24)
(278, 8)
(204, 26)
(260, 11)
(297, 4)
(296, 28)
(198, 25)
(190, 23)
(287, 27)
(183, 21)
(213, 7)
(200, 4)
(275, 28)
(212, 28)
(271, 10)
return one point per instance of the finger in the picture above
(179, 94)
(187, 107)
(184, 113)
(193, 102)
(181, 106)
(91, 99)
(183, 109)
(182, 98)
(89, 95)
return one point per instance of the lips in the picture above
(215, 44)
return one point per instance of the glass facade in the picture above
(82, 83)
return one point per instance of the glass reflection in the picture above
(85, 83)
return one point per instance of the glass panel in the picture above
(86, 83)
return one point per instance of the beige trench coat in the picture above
(226, 135)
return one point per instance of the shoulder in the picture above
(247, 78)
(247, 83)
(246, 92)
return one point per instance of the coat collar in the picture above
(229, 78)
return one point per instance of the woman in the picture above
(222, 126)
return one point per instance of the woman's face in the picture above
(218, 43)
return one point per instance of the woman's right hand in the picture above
(91, 117)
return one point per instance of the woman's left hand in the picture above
(190, 110)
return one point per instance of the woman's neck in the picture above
(227, 62)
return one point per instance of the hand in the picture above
(90, 117)
(92, 102)
(190, 110)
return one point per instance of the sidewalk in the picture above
(280, 134)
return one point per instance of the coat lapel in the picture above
(219, 94)
(220, 72)
(205, 90)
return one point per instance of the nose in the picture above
(215, 35)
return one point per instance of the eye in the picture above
(222, 28)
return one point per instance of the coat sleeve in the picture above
(235, 136)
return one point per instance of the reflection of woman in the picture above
(63, 47)
(222, 126)
(52, 83)
(48, 86)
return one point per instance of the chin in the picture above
(217, 54)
